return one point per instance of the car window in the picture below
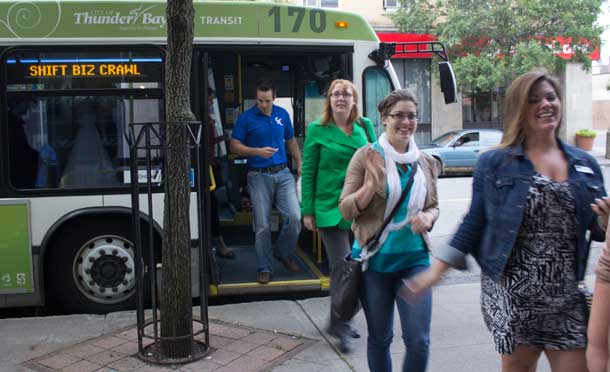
(466, 138)
(472, 144)
(491, 138)
(444, 139)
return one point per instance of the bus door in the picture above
(301, 79)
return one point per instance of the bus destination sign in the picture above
(84, 70)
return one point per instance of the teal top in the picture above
(403, 248)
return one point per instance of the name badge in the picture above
(583, 169)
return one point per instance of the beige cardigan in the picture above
(368, 222)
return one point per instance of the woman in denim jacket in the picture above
(526, 227)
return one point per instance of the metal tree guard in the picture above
(150, 139)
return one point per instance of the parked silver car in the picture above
(457, 151)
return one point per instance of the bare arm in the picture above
(413, 287)
(240, 149)
(599, 319)
(599, 324)
(293, 149)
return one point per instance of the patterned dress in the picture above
(537, 302)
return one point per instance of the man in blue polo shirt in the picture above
(263, 133)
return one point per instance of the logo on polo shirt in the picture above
(278, 121)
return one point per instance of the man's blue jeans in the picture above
(378, 295)
(266, 190)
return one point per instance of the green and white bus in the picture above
(75, 74)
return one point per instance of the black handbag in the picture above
(346, 277)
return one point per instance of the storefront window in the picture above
(414, 74)
(390, 4)
(482, 109)
(322, 3)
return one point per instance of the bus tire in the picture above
(91, 267)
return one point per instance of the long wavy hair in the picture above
(516, 102)
(327, 114)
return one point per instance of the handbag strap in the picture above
(372, 242)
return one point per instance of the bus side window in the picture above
(23, 157)
(89, 163)
(376, 85)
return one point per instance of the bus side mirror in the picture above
(448, 86)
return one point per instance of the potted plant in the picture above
(585, 138)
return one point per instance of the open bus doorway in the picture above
(301, 80)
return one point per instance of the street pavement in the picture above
(279, 336)
(459, 340)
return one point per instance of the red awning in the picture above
(395, 37)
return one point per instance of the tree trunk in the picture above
(176, 302)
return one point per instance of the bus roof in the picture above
(73, 21)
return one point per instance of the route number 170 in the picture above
(317, 18)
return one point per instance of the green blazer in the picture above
(328, 151)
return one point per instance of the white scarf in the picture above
(418, 190)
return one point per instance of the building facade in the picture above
(474, 109)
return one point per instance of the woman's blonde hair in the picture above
(516, 102)
(327, 114)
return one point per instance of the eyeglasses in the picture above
(342, 94)
(401, 116)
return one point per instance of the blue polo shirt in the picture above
(255, 129)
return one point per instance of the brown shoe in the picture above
(263, 277)
(290, 264)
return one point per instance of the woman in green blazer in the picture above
(330, 143)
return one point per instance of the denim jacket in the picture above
(500, 188)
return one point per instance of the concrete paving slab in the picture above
(317, 310)
(294, 365)
(34, 337)
(338, 366)
(284, 316)
(121, 320)
(456, 317)
(320, 353)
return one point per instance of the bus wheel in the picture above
(101, 276)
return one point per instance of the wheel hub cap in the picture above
(104, 269)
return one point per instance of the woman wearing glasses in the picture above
(376, 177)
(330, 143)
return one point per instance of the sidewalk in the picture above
(277, 336)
